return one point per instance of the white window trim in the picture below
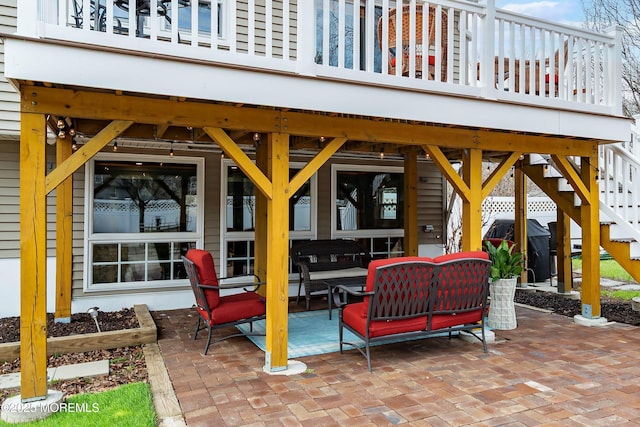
(90, 237)
(363, 233)
(226, 236)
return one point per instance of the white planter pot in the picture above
(502, 311)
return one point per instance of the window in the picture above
(204, 18)
(238, 215)
(143, 215)
(367, 205)
(332, 16)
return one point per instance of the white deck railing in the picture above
(473, 48)
(620, 186)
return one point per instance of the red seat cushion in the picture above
(207, 274)
(352, 316)
(439, 321)
(236, 307)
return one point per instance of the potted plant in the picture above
(506, 266)
(505, 262)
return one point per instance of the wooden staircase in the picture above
(618, 236)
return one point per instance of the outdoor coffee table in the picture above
(350, 282)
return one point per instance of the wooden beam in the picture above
(411, 204)
(104, 106)
(451, 175)
(572, 176)
(64, 234)
(243, 161)
(278, 248)
(33, 258)
(563, 256)
(472, 208)
(590, 223)
(85, 153)
(498, 173)
(312, 167)
(520, 218)
(263, 154)
(161, 129)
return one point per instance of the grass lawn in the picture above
(128, 405)
(610, 269)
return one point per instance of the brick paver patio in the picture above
(549, 371)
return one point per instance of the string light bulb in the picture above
(382, 153)
(61, 124)
(115, 145)
(256, 137)
(322, 139)
(171, 150)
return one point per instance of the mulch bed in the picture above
(611, 309)
(126, 364)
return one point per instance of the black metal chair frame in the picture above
(201, 301)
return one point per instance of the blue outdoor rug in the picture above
(310, 332)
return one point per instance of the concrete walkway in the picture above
(549, 371)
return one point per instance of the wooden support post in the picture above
(260, 240)
(590, 222)
(520, 220)
(33, 258)
(563, 255)
(411, 227)
(278, 248)
(472, 207)
(64, 235)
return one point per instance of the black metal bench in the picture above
(319, 260)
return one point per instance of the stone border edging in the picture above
(165, 401)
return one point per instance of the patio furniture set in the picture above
(403, 297)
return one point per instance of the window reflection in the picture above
(132, 197)
(241, 203)
(369, 200)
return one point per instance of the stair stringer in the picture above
(618, 249)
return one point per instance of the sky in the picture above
(561, 11)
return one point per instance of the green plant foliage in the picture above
(505, 263)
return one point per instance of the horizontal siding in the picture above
(10, 202)
(9, 99)
(431, 204)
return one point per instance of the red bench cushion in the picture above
(440, 321)
(371, 274)
(352, 316)
(461, 255)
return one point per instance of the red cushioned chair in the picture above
(217, 311)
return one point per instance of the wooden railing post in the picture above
(487, 68)
(306, 41)
(615, 77)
